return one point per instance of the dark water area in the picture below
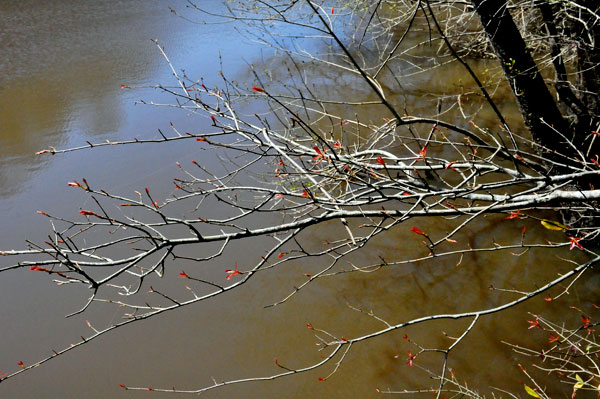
(62, 65)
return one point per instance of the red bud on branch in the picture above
(89, 213)
(575, 243)
(417, 230)
(183, 275)
(231, 273)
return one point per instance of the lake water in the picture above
(61, 70)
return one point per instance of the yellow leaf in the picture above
(553, 225)
(579, 382)
(531, 392)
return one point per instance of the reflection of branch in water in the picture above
(300, 163)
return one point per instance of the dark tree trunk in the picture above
(558, 134)
(588, 57)
(538, 107)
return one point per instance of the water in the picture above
(62, 68)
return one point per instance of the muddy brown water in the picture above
(61, 68)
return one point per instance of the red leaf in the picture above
(88, 213)
(308, 325)
(201, 139)
(380, 161)
(416, 230)
(258, 89)
(332, 10)
(183, 275)
(231, 273)
(548, 298)
(405, 337)
(514, 215)
(125, 87)
(21, 365)
(122, 386)
(305, 194)
(214, 120)
(317, 150)
(575, 243)
(321, 379)
(585, 320)
(534, 324)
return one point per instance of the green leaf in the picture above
(591, 347)
(553, 225)
(531, 392)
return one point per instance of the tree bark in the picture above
(538, 107)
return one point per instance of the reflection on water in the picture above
(62, 63)
(61, 71)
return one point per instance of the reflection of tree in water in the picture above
(443, 211)
(61, 68)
